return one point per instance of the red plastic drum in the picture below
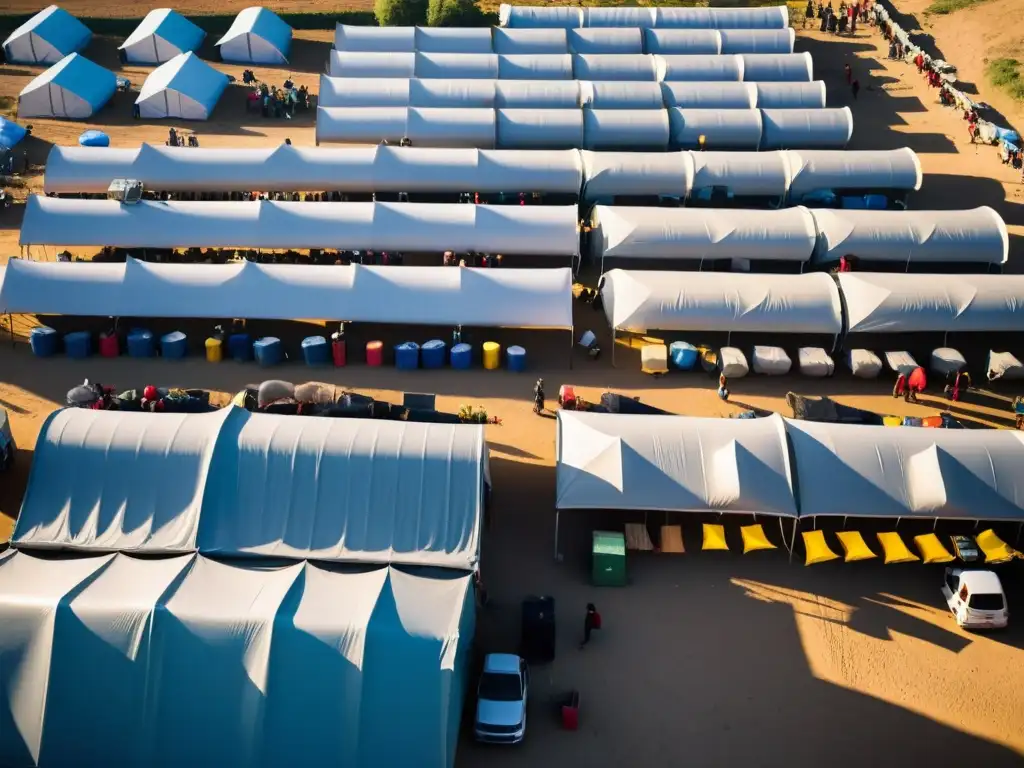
(375, 353)
(338, 352)
(108, 346)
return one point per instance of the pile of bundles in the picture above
(150, 398)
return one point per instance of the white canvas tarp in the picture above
(565, 17)
(256, 36)
(611, 129)
(185, 87)
(709, 95)
(539, 17)
(761, 174)
(289, 168)
(373, 64)
(424, 126)
(673, 464)
(525, 298)
(623, 67)
(777, 67)
(539, 128)
(360, 39)
(621, 95)
(766, 41)
(639, 301)
(814, 170)
(116, 660)
(527, 42)
(617, 40)
(790, 95)
(628, 232)
(683, 42)
(721, 128)
(700, 69)
(450, 94)
(162, 35)
(806, 128)
(908, 303)
(535, 67)
(766, 17)
(870, 471)
(607, 174)
(978, 236)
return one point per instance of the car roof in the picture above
(502, 662)
(981, 581)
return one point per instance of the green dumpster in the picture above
(609, 559)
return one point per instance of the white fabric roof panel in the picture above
(869, 471)
(359, 39)
(767, 17)
(525, 42)
(777, 67)
(160, 36)
(673, 464)
(640, 301)
(542, 17)
(256, 36)
(376, 92)
(537, 94)
(426, 126)
(349, 490)
(535, 67)
(978, 235)
(806, 128)
(453, 40)
(790, 95)
(636, 173)
(814, 170)
(449, 94)
(744, 173)
(701, 69)
(619, 16)
(611, 129)
(483, 66)
(525, 298)
(621, 95)
(676, 42)
(721, 128)
(758, 40)
(910, 303)
(540, 128)
(630, 232)
(413, 227)
(628, 67)
(608, 40)
(372, 64)
(709, 95)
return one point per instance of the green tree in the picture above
(400, 13)
(454, 13)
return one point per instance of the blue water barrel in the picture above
(78, 344)
(140, 343)
(876, 202)
(433, 353)
(43, 341)
(174, 345)
(516, 359)
(407, 356)
(683, 355)
(316, 350)
(462, 356)
(268, 350)
(240, 347)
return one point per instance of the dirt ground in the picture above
(710, 659)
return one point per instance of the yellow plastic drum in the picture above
(492, 355)
(214, 350)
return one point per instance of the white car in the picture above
(501, 699)
(976, 599)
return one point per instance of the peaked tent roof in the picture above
(178, 35)
(188, 75)
(261, 23)
(673, 463)
(88, 85)
(47, 37)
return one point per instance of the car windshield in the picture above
(500, 687)
(986, 602)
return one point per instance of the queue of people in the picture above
(841, 22)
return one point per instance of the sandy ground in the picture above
(711, 659)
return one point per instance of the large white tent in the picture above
(411, 227)
(73, 88)
(742, 174)
(256, 36)
(237, 483)
(690, 95)
(817, 170)
(540, 17)
(116, 660)
(806, 128)
(424, 126)
(452, 94)
(809, 95)
(909, 303)
(185, 87)
(631, 232)
(615, 94)
(362, 39)
(529, 16)
(699, 69)
(610, 174)
(160, 36)
(763, 17)
(523, 298)
(978, 235)
(46, 38)
(857, 470)
(289, 168)
(638, 301)
(720, 128)
(540, 128)
(611, 129)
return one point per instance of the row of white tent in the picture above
(565, 94)
(786, 468)
(591, 176)
(624, 67)
(604, 129)
(517, 41)
(661, 17)
(256, 36)
(798, 234)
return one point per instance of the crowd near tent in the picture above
(256, 36)
(530, 16)
(46, 38)
(184, 87)
(161, 36)
(74, 88)
(518, 298)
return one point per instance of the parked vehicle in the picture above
(966, 548)
(976, 599)
(501, 699)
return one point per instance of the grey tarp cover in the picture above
(627, 67)
(545, 41)
(757, 40)
(814, 169)
(809, 95)
(700, 69)
(777, 67)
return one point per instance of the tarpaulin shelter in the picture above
(904, 303)
(451, 66)
(610, 174)
(809, 95)
(540, 128)
(46, 38)
(363, 39)
(624, 67)
(528, 16)
(540, 17)
(777, 67)
(813, 171)
(523, 298)
(289, 168)
(606, 40)
(611, 129)
(160, 36)
(412, 227)
(451, 94)
(806, 128)
(977, 236)
(720, 128)
(117, 660)
(73, 88)
(11, 134)
(256, 36)
(724, 95)
(682, 42)
(672, 464)
(699, 69)
(763, 17)
(763, 41)
(615, 94)
(424, 126)
(184, 87)
(762, 175)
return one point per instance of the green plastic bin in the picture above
(609, 559)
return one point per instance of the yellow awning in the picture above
(754, 538)
(854, 546)
(818, 550)
(714, 537)
(931, 549)
(894, 550)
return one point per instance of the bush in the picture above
(1007, 74)
(454, 13)
(400, 13)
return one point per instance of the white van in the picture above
(976, 599)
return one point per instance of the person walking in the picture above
(723, 387)
(855, 88)
(848, 73)
(591, 622)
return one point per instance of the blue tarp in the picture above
(10, 133)
(94, 139)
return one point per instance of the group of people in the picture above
(838, 23)
(471, 259)
(271, 101)
(175, 139)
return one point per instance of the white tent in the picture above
(607, 174)
(629, 232)
(756, 40)
(777, 67)
(362, 39)
(449, 94)
(869, 471)
(743, 174)
(689, 95)
(978, 236)
(256, 36)
(815, 170)
(537, 94)
(72, 88)
(909, 303)
(618, 16)
(563, 17)
(162, 35)
(790, 95)
(115, 660)
(543, 17)
(290, 168)
(530, 41)
(535, 67)
(764, 17)
(185, 87)
(673, 464)
(458, 65)
(610, 129)
(682, 42)
(700, 69)
(628, 67)
(609, 40)
(411, 227)
(539, 128)
(806, 128)
(524, 298)
(424, 126)
(721, 128)
(621, 95)
(353, 64)
(46, 38)
(639, 301)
